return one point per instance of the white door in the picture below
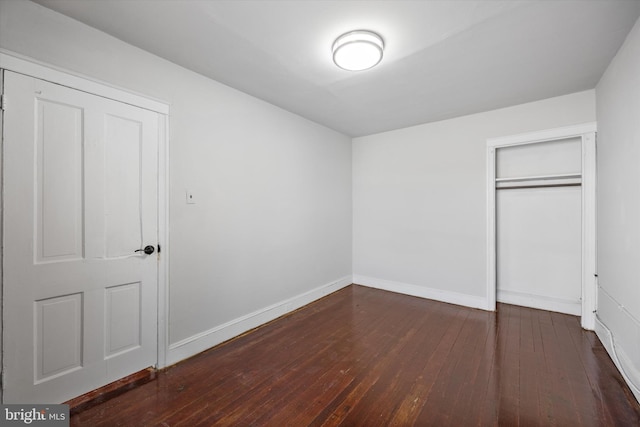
(80, 196)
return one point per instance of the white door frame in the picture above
(587, 133)
(20, 64)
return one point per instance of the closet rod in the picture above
(516, 187)
(540, 177)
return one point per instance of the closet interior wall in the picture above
(539, 225)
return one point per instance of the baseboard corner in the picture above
(441, 295)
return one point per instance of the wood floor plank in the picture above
(453, 377)
(366, 357)
(341, 356)
(509, 369)
(467, 408)
(571, 365)
(389, 392)
(529, 413)
(428, 365)
(359, 397)
(426, 392)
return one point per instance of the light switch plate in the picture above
(191, 198)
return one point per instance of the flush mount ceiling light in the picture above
(357, 50)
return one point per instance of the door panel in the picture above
(59, 181)
(58, 336)
(80, 185)
(122, 319)
(123, 180)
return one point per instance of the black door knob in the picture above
(147, 250)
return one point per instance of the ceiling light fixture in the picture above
(357, 50)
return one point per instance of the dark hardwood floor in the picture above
(365, 357)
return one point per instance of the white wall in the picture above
(618, 108)
(419, 204)
(273, 214)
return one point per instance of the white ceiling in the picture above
(442, 59)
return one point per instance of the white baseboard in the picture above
(422, 292)
(198, 343)
(620, 359)
(540, 302)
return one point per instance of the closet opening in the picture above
(541, 221)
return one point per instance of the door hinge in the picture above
(158, 247)
(3, 102)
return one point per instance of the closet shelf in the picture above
(541, 177)
(540, 181)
